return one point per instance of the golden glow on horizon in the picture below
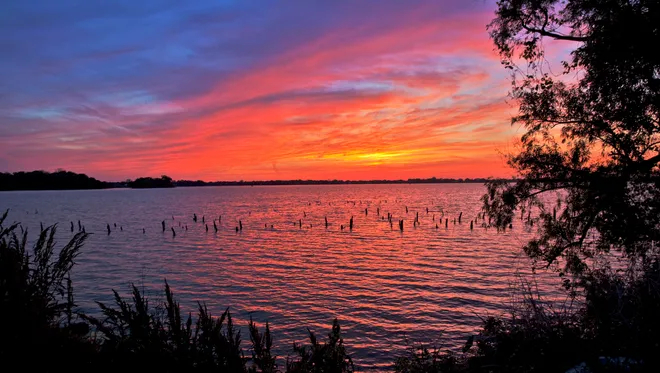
(340, 106)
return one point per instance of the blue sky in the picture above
(252, 89)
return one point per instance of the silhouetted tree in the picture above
(149, 182)
(42, 180)
(588, 168)
(591, 128)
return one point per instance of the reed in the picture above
(615, 328)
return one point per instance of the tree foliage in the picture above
(42, 180)
(149, 182)
(591, 128)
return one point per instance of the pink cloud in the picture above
(420, 98)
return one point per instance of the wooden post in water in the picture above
(326, 222)
(401, 225)
(207, 227)
(143, 231)
(459, 217)
(446, 222)
(471, 224)
(195, 217)
(173, 233)
(108, 226)
(351, 224)
(240, 225)
(71, 226)
(203, 219)
(163, 223)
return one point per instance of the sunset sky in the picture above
(231, 90)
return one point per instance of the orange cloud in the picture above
(420, 98)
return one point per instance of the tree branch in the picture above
(554, 35)
(651, 161)
(541, 191)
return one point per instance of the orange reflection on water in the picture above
(383, 284)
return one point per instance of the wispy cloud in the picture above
(253, 90)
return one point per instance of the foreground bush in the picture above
(43, 332)
(39, 327)
(614, 329)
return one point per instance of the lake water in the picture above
(385, 286)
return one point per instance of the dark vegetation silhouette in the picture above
(432, 180)
(63, 180)
(151, 182)
(588, 163)
(44, 331)
(588, 166)
(42, 180)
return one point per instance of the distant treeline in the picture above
(150, 182)
(432, 180)
(61, 180)
(42, 180)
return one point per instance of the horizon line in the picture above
(243, 181)
(329, 181)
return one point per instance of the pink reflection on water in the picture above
(383, 284)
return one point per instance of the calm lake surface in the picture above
(425, 284)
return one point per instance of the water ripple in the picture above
(425, 283)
